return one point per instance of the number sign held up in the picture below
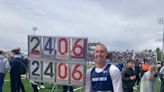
(58, 48)
(59, 60)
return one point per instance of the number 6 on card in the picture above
(77, 74)
(79, 47)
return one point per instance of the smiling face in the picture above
(100, 53)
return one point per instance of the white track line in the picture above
(77, 89)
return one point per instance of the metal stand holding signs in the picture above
(81, 89)
(56, 88)
(53, 88)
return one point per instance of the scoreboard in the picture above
(59, 60)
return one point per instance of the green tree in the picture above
(158, 51)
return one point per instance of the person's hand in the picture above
(132, 77)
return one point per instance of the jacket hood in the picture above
(18, 56)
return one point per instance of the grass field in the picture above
(28, 88)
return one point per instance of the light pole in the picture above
(161, 21)
(34, 29)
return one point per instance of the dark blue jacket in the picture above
(15, 65)
(101, 81)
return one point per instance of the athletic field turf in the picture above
(28, 88)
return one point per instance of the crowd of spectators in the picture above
(124, 56)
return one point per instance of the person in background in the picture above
(3, 68)
(144, 67)
(22, 87)
(103, 77)
(128, 77)
(41, 86)
(159, 66)
(7, 57)
(65, 88)
(34, 86)
(119, 65)
(137, 73)
(15, 76)
(161, 73)
(160, 70)
(148, 80)
(109, 58)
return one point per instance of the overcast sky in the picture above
(119, 24)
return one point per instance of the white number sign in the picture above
(34, 45)
(79, 47)
(62, 73)
(49, 47)
(35, 70)
(59, 60)
(77, 74)
(63, 48)
(48, 71)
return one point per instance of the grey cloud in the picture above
(120, 24)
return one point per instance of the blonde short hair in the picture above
(100, 44)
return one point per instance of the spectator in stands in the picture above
(103, 77)
(3, 68)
